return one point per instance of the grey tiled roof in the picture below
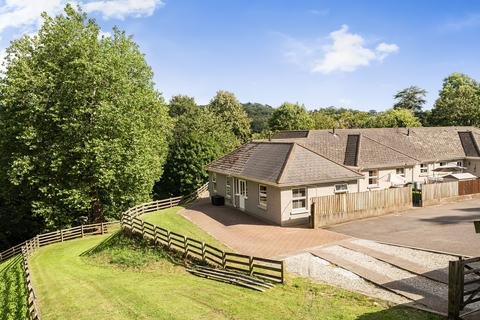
(383, 147)
(281, 164)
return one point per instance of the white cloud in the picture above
(322, 12)
(347, 52)
(119, 9)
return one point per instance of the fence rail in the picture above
(268, 269)
(349, 206)
(433, 192)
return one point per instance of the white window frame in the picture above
(304, 198)
(424, 168)
(262, 194)
(228, 187)
(344, 188)
(214, 181)
(373, 178)
(402, 172)
(239, 191)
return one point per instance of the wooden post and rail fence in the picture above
(267, 269)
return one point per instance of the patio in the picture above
(249, 235)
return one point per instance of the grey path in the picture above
(447, 228)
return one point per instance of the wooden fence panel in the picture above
(433, 192)
(349, 206)
(468, 187)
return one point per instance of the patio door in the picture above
(242, 193)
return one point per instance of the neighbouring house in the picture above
(275, 180)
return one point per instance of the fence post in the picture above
(185, 246)
(203, 252)
(82, 231)
(101, 227)
(224, 260)
(312, 215)
(171, 203)
(155, 235)
(282, 273)
(169, 240)
(250, 265)
(455, 288)
(61, 234)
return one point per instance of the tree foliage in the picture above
(394, 118)
(198, 139)
(290, 116)
(259, 115)
(458, 103)
(227, 107)
(322, 120)
(82, 129)
(180, 105)
(411, 98)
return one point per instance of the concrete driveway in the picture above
(248, 235)
(447, 227)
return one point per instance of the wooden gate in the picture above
(463, 286)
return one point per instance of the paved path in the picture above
(447, 227)
(248, 235)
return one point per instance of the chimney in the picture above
(269, 136)
(333, 130)
(408, 131)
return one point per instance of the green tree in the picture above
(322, 120)
(290, 116)
(82, 129)
(259, 115)
(458, 103)
(411, 98)
(198, 139)
(394, 118)
(180, 105)
(227, 107)
(351, 120)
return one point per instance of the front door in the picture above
(242, 194)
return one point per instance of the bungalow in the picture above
(275, 180)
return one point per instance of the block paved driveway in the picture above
(248, 235)
(446, 227)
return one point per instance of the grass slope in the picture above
(13, 294)
(112, 283)
(171, 220)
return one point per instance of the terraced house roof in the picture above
(320, 156)
(281, 164)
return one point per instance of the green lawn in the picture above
(13, 294)
(125, 279)
(171, 220)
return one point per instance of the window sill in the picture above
(262, 207)
(376, 186)
(299, 211)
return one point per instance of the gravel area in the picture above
(397, 276)
(430, 260)
(317, 269)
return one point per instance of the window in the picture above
(262, 195)
(423, 168)
(299, 200)
(214, 181)
(400, 172)
(443, 164)
(242, 188)
(373, 177)
(459, 163)
(228, 188)
(341, 188)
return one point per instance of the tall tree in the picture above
(180, 105)
(458, 102)
(82, 129)
(198, 139)
(227, 107)
(290, 116)
(411, 98)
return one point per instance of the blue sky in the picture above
(320, 53)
